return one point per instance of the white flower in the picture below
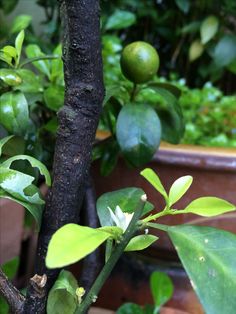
(120, 218)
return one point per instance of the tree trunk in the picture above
(78, 119)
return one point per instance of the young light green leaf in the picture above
(18, 44)
(10, 51)
(34, 163)
(196, 50)
(6, 58)
(20, 22)
(162, 289)
(71, 243)
(179, 188)
(209, 28)
(62, 297)
(155, 181)
(43, 66)
(208, 206)
(140, 242)
(19, 185)
(208, 256)
(4, 141)
(34, 209)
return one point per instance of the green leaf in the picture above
(6, 58)
(10, 52)
(184, 5)
(35, 210)
(10, 77)
(8, 6)
(170, 114)
(34, 163)
(31, 83)
(20, 186)
(20, 22)
(138, 131)
(57, 67)
(208, 256)
(54, 97)
(209, 28)
(62, 297)
(191, 28)
(127, 199)
(120, 19)
(109, 158)
(225, 51)
(129, 308)
(140, 242)
(71, 243)
(179, 188)
(161, 87)
(161, 287)
(14, 114)
(15, 146)
(110, 92)
(10, 268)
(209, 206)
(3, 141)
(196, 50)
(18, 44)
(155, 181)
(43, 66)
(115, 232)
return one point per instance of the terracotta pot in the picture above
(11, 229)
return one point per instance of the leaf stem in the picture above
(47, 57)
(91, 296)
(133, 92)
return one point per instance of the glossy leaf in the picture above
(208, 256)
(184, 5)
(3, 141)
(20, 22)
(71, 243)
(170, 114)
(179, 188)
(14, 114)
(34, 209)
(161, 288)
(15, 146)
(62, 297)
(10, 50)
(6, 57)
(10, 77)
(209, 28)
(161, 87)
(127, 199)
(130, 308)
(54, 97)
(43, 66)
(20, 186)
(57, 67)
(138, 131)
(34, 163)
(120, 19)
(155, 181)
(140, 242)
(196, 50)
(18, 44)
(225, 51)
(209, 206)
(31, 83)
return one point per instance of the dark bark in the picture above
(78, 119)
(92, 263)
(13, 296)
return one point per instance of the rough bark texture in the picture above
(13, 296)
(78, 119)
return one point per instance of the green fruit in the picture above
(139, 62)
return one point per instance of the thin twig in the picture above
(12, 295)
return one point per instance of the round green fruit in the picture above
(139, 62)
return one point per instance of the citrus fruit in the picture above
(139, 62)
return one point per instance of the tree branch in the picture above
(78, 119)
(13, 296)
(92, 263)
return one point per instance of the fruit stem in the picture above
(133, 92)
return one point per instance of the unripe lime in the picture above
(139, 62)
